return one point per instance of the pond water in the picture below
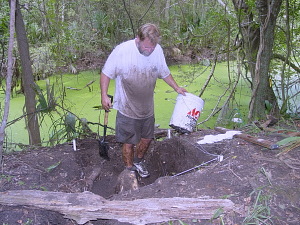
(81, 99)
(292, 90)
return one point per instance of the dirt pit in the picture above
(168, 157)
(165, 158)
(249, 175)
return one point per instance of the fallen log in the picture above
(284, 132)
(86, 206)
(259, 141)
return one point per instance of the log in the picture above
(282, 131)
(259, 141)
(86, 206)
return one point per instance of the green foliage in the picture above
(268, 106)
(62, 32)
(4, 30)
(251, 4)
(65, 125)
(35, 33)
(8, 178)
(21, 183)
(67, 128)
(47, 103)
(4, 23)
(43, 62)
(259, 213)
(217, 213)
(288, 141)
(63, 129)
(70, 125)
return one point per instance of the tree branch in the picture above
(9, 75)
(287, 61)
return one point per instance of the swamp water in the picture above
(80, 94)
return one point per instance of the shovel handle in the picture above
(106, 111)
(106, 118)
(105, 124)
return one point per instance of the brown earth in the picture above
(263, 186)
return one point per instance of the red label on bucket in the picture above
(194, 113)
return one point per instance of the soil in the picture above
(262, 184)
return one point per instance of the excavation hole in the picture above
(169, 157)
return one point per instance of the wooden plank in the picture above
(86, 206)
(259, 141)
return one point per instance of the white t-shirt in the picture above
(135, 76)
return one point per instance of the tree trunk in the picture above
(9, 75)
(250, 34)
(258, 44)
(262, 90)
(28, 81)
(167, 11)
(86, 206)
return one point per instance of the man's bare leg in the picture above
(128, 154)
(127, 179)
(142, 148)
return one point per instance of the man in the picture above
(136, 65)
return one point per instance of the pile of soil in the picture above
(263, 185)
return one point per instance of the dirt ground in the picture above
(263, 185)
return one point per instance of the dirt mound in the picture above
(262, 185)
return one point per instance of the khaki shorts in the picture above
(130, 131)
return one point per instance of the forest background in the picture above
(257, 39)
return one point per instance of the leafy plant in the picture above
(288, 144)
(46, 103)
(64, 129)
(288, 141)
(65, 125)
(268, 106)
(218, 214)
(259, 213)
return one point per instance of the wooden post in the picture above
(255, 140)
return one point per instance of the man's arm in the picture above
(170, 81)
(104, 84)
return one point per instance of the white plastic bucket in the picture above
(186, 112)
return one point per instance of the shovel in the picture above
(103, 145)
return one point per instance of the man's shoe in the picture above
(141, 169)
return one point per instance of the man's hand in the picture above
(105, 99)
(106, 102)
(181, 90)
